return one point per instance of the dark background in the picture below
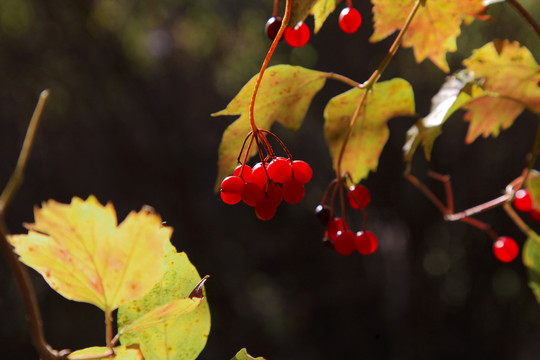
(133, 84)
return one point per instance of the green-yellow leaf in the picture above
(121, 353)
(512, 78)
(434, 29)
(84, 255)
(243, 355)
(300, 10)
(531, 259)
(320, 11)
(284, 96)
(180, 338)
(533, 184)
(388, 99)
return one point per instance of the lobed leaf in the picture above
(512, 80)
(284, 96)
(120, 352)
(386, 100)
(85, 256)
(243, 355)
(531, 259)
(171, 336)
(434, 29)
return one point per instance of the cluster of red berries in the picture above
(338, 235)
(260, 186)
(523, 202)
(298, 35)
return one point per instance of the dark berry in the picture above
(505, 249)
(365, 242)
(272, 27)
(344, 242)
(358, 196)
(349, 20)
(334, 226)
(522, 200)
(297, 36)
(302, 171)
(323, 213)
(293, 191)
(535, 215)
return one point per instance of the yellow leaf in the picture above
(85, 256)
(300, 10)
(243, 355)
(387, 99)
(531, 259)
(320, 11)
(180, 338)
(121, 353)
(434, 29)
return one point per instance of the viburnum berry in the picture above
(231, 190)
(265, 208)
(349, 20)
(358, 196)
(522, 200)
(279, 170)
(246, 172)
(535, 215)
(302, 171)
(251, 193)
(335, 226)
(365, 242)
(258, 175)
(275, 193)
(344, 242)
(505, 249)
(298, 35)
(272, 27)
(293, 191)
(323, 213)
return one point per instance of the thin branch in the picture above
(526, 15)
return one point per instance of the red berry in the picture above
(297, 36)
(251, 193)
(522, 200)
(365, 242)
(246, 172)
(293, 191)
(302, 171)
(265, 208)
(349, 20)
(505, 249)
(230, 198)
(280, 170)
(323, 213)
(535, 215)
(344, 242)
(358, 196)
(232, 184)
(275, 193)
(334, 226)
(272, 27)
(258, 176)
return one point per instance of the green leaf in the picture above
(121, 353)
(181, 337)
(531, 259)
(243, 355)
(320, 12)
(284, 96)
(388, 99)
(533, 184)
(512, 78)
(300, 10)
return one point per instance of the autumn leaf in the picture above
(511, 77)
(434, 29)
(243, 355)
(387, 99)
(300, 9)
(85, 256)
(284, 96)
(120, 353)
(176, 336)
(320, 11)
(531, 259)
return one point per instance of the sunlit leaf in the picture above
(434, 29)
(512, 78)
(85, 256)
(243, 355)
(180, 338)
(320, 11)
(388, 99)
(121, 353)
(284, 96)
(531, 259)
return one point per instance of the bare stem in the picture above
(109, 329)
(344, 79)
(517, 219)
(526, 15)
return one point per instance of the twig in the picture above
(526, 15)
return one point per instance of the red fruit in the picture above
(522, 200)
(297, 36)
(280, 170)
(265, 208)
(349, 20)
(302, 171)
(293, 191)
(232, 184)
(272, 27)
(323, 213)
(230, 198)
(275, 193)
(535, 215)
(334, 226)
(365, 242)
(246, 173)
(344, 242)
(505, 249)
(251, 193)
(258, 176)
(358, 196)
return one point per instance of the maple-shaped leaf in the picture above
(512, 80)
(386, 100)
(320, 11)
(243, 355)
(531, 259)
(120, 353)
(284, 96)
(433, 31)
(176, 336)
(85, 256)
